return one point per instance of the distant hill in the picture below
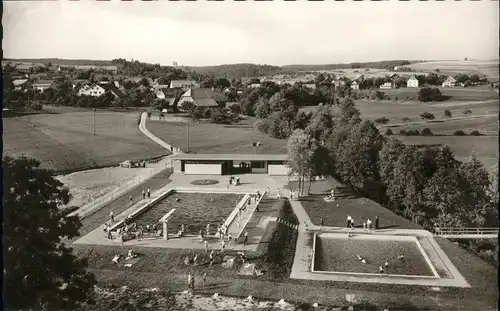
(386, 64)
(60, 61)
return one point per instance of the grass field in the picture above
(480, 67)
(64, 142)
(486, 147)
(195, 210)
(395, 111)
(340, 255)
(216, 138)
(458, 93)
(359, 208)
(485, 125)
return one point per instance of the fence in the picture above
(468, 231)
(287, 223)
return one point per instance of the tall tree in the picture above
(300, 147)
(40, 270)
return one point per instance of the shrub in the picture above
(388, 132)
(475, 133)
(467, 111)
(459, 133)
(427, 116)
(447, 113)
(382, 120)
(402, 132)
(261, 126)
(427, 94)
(412, 133)
(427, 132)
(406, 119)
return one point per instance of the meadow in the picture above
(479, 67)
(455, 94)
(64, 142)
(216, 138)
(485, 125)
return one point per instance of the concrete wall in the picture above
(203, 169)
(277, 169)
(177, 166)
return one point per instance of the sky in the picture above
(276, 33)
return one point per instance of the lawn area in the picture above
(486, 146)
(64, 142)
(195, 210)
(216, 138)
(453, 67)
(477, 93)
(395, 111)
(340, 255)
(485, 126)
(350, 203)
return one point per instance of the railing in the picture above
(287, 223)
(467, 231)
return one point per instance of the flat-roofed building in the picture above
(226, 164)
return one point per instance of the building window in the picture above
(258, 164)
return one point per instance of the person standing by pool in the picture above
(201, 235)
(246, 238)
(130, 200)
(208, 229)
(211, 257)
(352, 222)
(149, 193)
(376, 222)
(191, 282)
(368, 224)
(112, 216)
(322, 223)
(222, 245)
(143, 194)
(229, 239)
(205, 241)
(278, 195)
(348, 221)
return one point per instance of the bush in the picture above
(406, 119)
(261, 126)
(427, 94)
(475, 133)
(447, 113)
(382, 120)
(467, 111)
(402, 132)
(388, 132)
(412, 133)
(459, 133)
(427, 132)
(427, 116)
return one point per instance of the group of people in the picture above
(234, 181)
(146, 193)
(367, 225)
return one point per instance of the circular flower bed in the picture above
(204, 182)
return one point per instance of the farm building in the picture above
(42, 85)
(354, 85)
(78, 82)
(412, 82)
(183, 84)
(226, 164)
(386, 86)
(91, 90)
(203, 97)
(21, 84)
(168, 94)
(449, 82)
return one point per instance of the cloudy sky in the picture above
(278, 33)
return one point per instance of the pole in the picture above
(187, 151)
(93, 122)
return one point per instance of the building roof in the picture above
(412, 78)
(450, 79)
(235, 157)
(44, 82)
(169, 92)
(112, 88)
(203, 97)
(181, 83)
(19, 82)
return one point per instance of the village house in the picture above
(79, 82)
(386, 86)
(203, 97)
(412, 82)
(110, 87)
(21, 84)
(255, 85)
(449, 82)
(170, 95)
(310, 85)
(183, 84)
(25, 68)
(354, 85)
(91, 90)
(42, 85)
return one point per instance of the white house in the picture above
(203, 97)
(449, 82)
(255, 85)
(184, 84)
(355, 85)
(91, 90)
(386, 86)
(21, 84)
(412, 82)
(42, 85)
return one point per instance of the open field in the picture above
(480, 67)
(396, 111)
(216, 138)
(89, 184)
(195, 210)
(485, 126)
(456, 93)
(486, 147)
(340, 255)
(350, 203)
(64, 142)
